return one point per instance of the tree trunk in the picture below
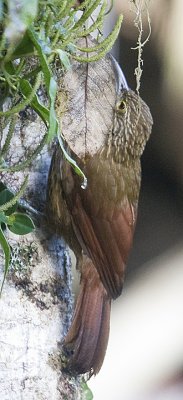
(36, 302)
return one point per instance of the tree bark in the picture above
(36, 302)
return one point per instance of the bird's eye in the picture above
(121, 106)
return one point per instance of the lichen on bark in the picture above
(36, 302)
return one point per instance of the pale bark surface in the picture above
(36, 304)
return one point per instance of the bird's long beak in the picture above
(121, 82)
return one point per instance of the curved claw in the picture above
(121, 82)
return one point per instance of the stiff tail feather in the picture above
(86, 342)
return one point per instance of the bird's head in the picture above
(132, 118)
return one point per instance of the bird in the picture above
(98, 222)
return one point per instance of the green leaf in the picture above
(5, 196)
(21, 224)
(41, 110)
(50, 82)
(3, 218)
(73, 163)
(9, 67)
(24, 48)
(53, 123)
(64, 58)
(6, 249)
(2, 160)
(2, 186)
(44, 63)
(86, 392)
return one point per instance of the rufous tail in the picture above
(86, 342)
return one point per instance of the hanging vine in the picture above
(141, 7)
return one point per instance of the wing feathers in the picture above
(104, 225)
(107, 244)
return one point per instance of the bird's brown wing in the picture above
(57, 211)
(104, 216)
